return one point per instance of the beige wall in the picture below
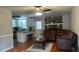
(5, 21)
(75, 21)
(6, 35)
(66, 20)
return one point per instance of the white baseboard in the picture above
(6, 35)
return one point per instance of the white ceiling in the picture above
(28, 10)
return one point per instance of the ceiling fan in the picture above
(41, 9)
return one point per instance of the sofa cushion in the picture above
(64, 43)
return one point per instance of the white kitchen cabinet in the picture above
(21, 37)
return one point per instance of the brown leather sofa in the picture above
(52, 35)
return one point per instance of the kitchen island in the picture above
(22, 36)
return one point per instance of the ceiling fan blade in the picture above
(47, 10)
(37, 6)
(41, 9)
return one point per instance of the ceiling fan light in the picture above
(38, 14)
(37, 9)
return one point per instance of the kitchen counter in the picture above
(22, 36)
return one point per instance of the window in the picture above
(20, 22)
(13, 23)
(23, 23)
(39, 25)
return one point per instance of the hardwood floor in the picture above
(21, 47)
(55, 47)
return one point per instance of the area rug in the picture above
(48, 48)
